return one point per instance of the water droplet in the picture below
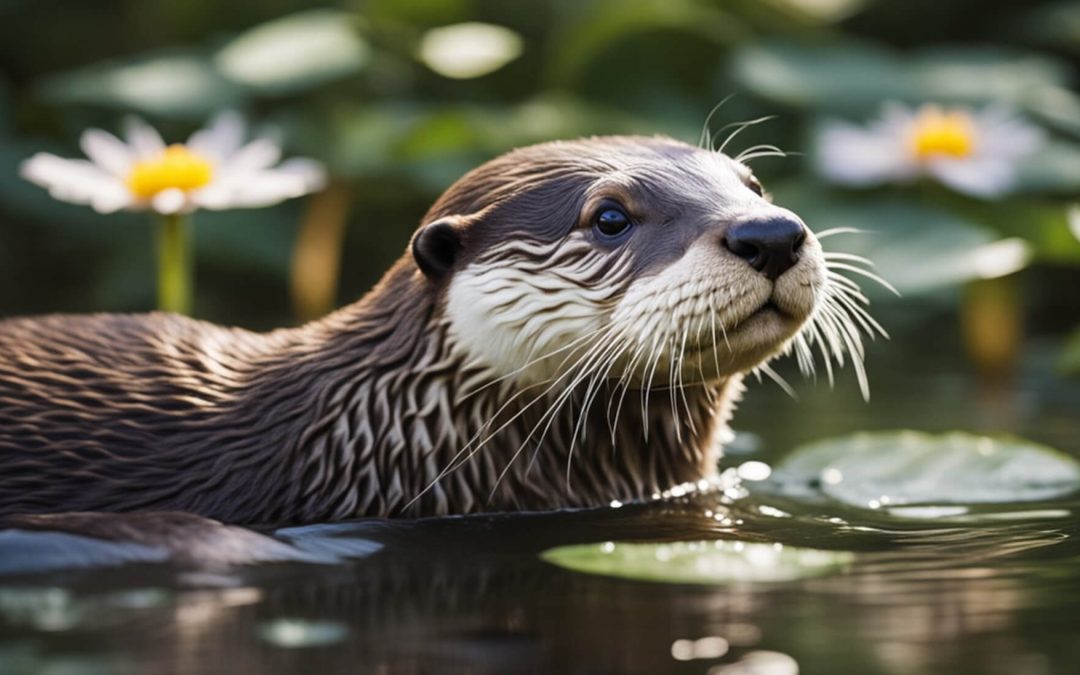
(754, 470)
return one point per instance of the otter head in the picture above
(645, 260)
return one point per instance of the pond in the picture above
(756, 579)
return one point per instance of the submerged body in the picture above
(570, 327)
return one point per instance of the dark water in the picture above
(996, 593)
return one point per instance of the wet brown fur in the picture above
(331, 420)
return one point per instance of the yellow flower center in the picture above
(936, 132)
(176, 167)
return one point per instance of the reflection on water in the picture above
(938, 588)
(473, 594)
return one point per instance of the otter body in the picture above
(569, 327)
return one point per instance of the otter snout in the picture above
(770, 244)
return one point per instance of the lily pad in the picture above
(917, 248)
(901, 468)
(295, 52)
(167, 83)
(699, 562)
(467, 50)
(856, 77)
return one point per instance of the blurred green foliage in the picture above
(369, 89)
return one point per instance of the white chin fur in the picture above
(522, 319)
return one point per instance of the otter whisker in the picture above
(741, 126)
(775, 377)
(833, 265)
(560, 400)
(483, 428)
(609, 356)
(624, 383)
(869, 325)
(804, 356)
(702, 379)
(831, 232)
(816, 330)
(706, 136)
(672, 374)
(712, 329)
(682, 387)
(455, 462)
(568, 391)
(601, 373)
(654, 360)
(756, 151)
(553, 411)
(756, 148)
(850, 337)
(538, 359)
(844, 284)
(840, 255)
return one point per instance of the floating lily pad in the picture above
(699, 562)
(890, 469)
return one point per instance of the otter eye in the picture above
(754, 185)
(611, 221)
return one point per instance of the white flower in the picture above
(215, 169)
(974, 152)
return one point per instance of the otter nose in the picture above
(770, 245)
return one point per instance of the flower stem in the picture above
(175, 271)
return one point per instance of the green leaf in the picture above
(441, 142)
(168, 84)
(1070, 356)
(915, 247)
(1053, 169)
(855, 78)
(699, 562)
(1056, 24)
(910, 468)
(1044, 225)
(295, 53)
(588, 33)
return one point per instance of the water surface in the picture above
(990, 588)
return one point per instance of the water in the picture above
(990, 588)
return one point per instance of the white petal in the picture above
(850, 155)
(108, 199)
(172, 200)
(979, 177)
(1009, 139)
(313, 173)
(107, 151)
(259, 154)
(144, 140)
(258, 189)
(216, 197)
(896, 119)
(77, 181)
(222, 138)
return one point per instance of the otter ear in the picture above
(436, 247)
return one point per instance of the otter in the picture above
(569, 326)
